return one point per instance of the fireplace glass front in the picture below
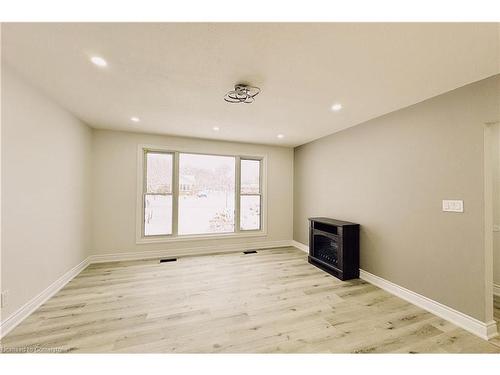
(326, 248)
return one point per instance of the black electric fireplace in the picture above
(334, 247)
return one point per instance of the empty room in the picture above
(264, 187)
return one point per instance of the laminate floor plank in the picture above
(273, 301)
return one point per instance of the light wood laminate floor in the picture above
(272, 301)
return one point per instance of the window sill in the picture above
(166, 239)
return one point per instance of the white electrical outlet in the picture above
(453, 205)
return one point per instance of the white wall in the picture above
(45, 191)
(115, 190)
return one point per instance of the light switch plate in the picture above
(496, 227)
(453, 205)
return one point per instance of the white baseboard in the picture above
(481, 329)
(300, 246)
(496, 289)
(24, 311)
(484, 330)
(205, 250)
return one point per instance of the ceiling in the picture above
(173, 76)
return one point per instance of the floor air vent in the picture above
(168, 260)
(250, 252)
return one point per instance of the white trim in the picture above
(22, 313)
(488, 221)
(175, 150)
(202, 250)
(300, 246)
(481, 329)
(28, 308)
(484, 330)
(496, 289)
(198, 237)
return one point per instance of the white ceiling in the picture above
(174, 75)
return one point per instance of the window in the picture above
(158, 194)
(188, 194)
(206, 194)
(250, 199)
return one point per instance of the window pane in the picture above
(157, 215)
(206, 194)
(250, 212)
(159, 173)
(250, 176)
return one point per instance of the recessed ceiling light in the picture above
(280, 136)
(336, 107)
(216, 128)
(99, 61)
(135, 119)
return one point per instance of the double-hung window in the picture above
(191, 194)
(157, 194)
(250, 194)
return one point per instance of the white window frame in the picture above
(174, 237)
(259, 194)
(145, 190)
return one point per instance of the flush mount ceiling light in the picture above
(99, 61)
(280, 136)
(216, 128)
(135, 119)
(242, 93)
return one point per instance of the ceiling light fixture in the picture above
(99, 61)
(216, 128)
(135, 119)
(280, 136)
(242, 93)
(336, 107)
